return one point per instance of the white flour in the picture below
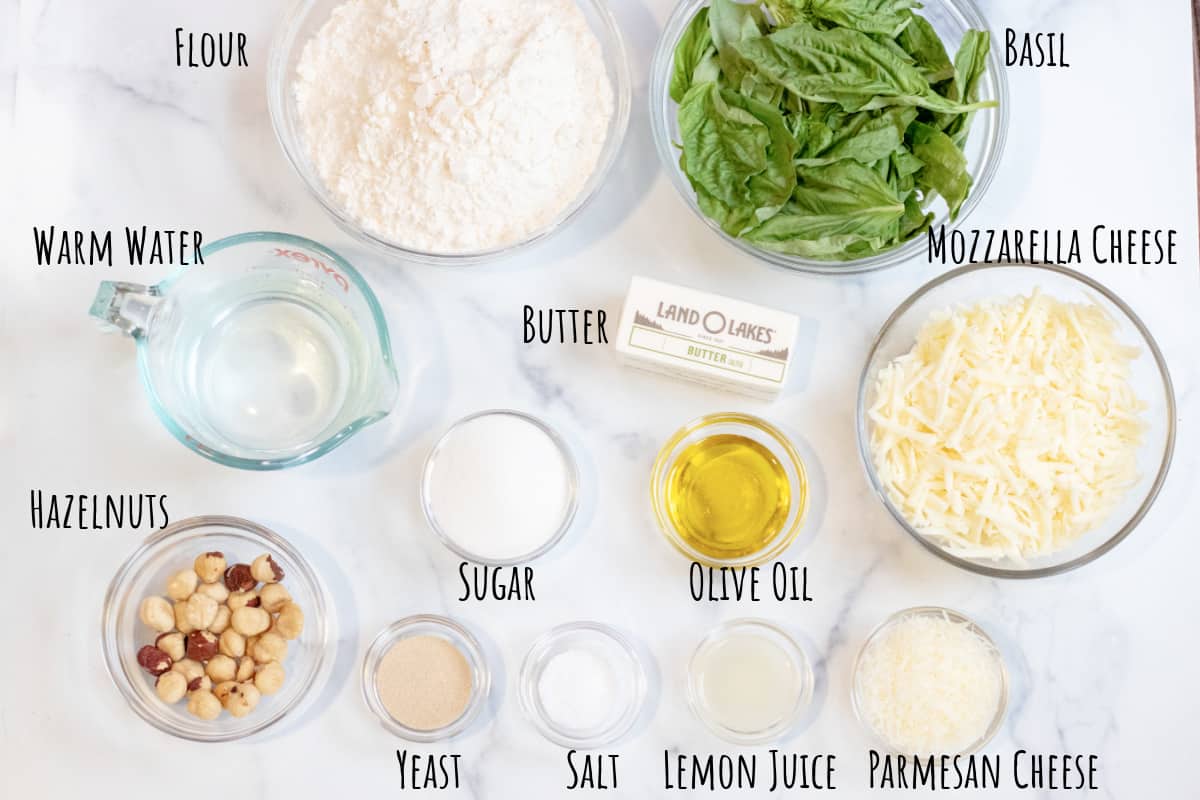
(454, 125)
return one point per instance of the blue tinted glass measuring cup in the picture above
(268, 355)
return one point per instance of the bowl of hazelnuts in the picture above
(215, 628)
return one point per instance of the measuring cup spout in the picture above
(125, 306)
(387, 390)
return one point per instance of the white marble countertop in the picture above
(104, 131)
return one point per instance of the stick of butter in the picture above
(706, 338)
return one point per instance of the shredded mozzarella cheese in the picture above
(1011, 428)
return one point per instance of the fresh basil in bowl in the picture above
(828, 135)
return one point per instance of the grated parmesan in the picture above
(928, 685)
(1011, 428)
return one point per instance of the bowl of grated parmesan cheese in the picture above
(450, 132)
(929, 681)
(1016, 420)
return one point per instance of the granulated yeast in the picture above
(424, 682)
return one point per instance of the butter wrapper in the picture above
(707, 338)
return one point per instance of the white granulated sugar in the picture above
(454, 125)
(499, 487)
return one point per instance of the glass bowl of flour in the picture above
(451, 132)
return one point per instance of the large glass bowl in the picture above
(306, 17)
(145, 573)
(951, 19)
(1150, 380)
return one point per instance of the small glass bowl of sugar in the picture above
(582, 685)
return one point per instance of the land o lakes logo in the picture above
(713, 322)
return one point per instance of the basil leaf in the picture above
(886, 17)
(915, 220)
(864, 138)
(969, 65)
(723, 145)
(730, 22)
(842, 66)
(945, 170)
(737, 153)
(845, 198)
(695, 47)
(786, 237)
(921, 42)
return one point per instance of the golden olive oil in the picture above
(727, 496)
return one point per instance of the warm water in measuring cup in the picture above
(267, 355)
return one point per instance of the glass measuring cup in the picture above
(268, 355)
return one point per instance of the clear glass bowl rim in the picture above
(954, 616)
(316, 620)
(799, 659)
(291, 142)
(528, 688)
(572, 501)
(463, 639)
(317, 450)
(864, 445)
(660, 71)
(662, 466)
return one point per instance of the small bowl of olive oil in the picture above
(729, 490)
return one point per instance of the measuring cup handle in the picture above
(125, 306)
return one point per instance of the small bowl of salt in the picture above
(582, 685)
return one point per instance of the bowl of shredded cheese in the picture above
(929, 681)
(1016, 420)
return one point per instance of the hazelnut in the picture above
(156, 613)
(239, 578)
(245, 669)
(269, 678)
(210, 566)
(223, 689)
(221, 668)
(153, 660)
(242, 699)
(243, 599)
(181, 618)
(201, 611)
(250, 621)
(216, 591)
(269, 647)
(171, 687)
(222, 621)
(171, 644)
(232, 644)
(201, 684)
(189, 669)
(290, 622)
(266, 570)
(204, 704)
(201, 645)
(181, 585)
(273, 596)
